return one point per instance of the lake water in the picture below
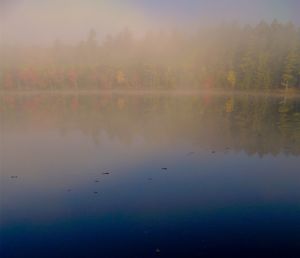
(112, 175)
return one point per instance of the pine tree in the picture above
(289, 76)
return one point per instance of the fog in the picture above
(41, 22)
(44, 21)
(149, 45)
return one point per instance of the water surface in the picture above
(115, 175)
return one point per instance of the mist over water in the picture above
(138, 128)
(149, 175)
(109, 45)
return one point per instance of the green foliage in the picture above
(289, 77)
(262, 57)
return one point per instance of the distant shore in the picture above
(275, 93)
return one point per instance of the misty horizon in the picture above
(31, 22)
(149, 128)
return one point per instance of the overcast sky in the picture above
(42, 21)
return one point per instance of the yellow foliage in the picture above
(120, 77)
(231, 78)
(229, 107)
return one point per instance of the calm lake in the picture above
(116, 175)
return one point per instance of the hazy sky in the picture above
(45, 20)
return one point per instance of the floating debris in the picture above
(149, 178)
(105, 173)
(213, 152)
(97, 181)
(14, 177)
(157, 250)
(69, 190)
(95, 192)
(164, 168)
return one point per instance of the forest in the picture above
(262, 57)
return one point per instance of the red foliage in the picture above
(72, 77)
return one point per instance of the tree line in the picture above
(232, 57)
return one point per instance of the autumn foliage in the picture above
(261, 57)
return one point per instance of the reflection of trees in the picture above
(256, 125)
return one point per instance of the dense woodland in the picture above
(261, 57)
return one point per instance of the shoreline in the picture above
(276, 93)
